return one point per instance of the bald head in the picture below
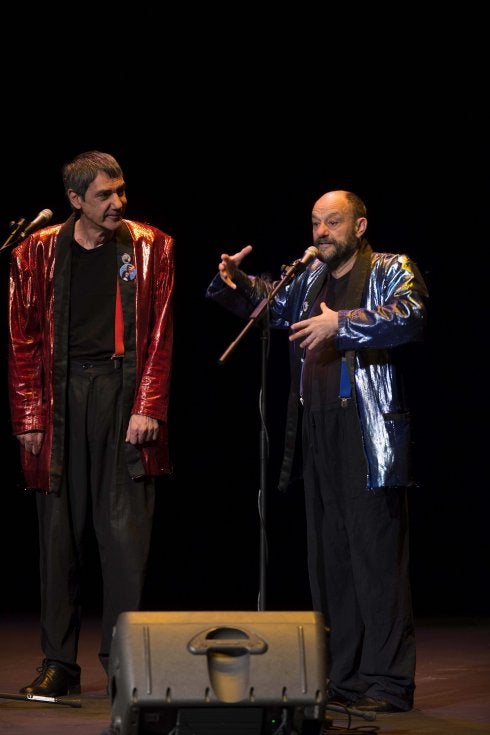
(339, 221)
(342, 200)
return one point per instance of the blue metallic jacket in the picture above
(384, 308)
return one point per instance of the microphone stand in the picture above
(289, 273)
(15, 229)
(21, 229)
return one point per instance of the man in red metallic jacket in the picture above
(90, 356)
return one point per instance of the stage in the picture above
(452, 694)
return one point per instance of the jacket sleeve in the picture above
(249, 292)
(24, 353)
(155, 331)
(240, 301)
(395, 311)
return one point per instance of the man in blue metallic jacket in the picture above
(347, 312)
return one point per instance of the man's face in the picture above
(335, 231)
(104, 202)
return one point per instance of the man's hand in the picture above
(141, 429)
(31, 441)
(316, 329)
(231, 263)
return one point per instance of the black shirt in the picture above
(321, 365)
(92, 302)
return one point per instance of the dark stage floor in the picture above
(452, 686)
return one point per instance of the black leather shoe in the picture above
(53, 681)
(373, 704)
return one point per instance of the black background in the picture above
(228, 144)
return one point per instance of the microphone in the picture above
(42, 218)
(300, 265)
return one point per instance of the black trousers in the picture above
(98, 489)
(358, 562)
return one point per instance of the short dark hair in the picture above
(79, 173)
(359, 209)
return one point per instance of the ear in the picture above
(74, 199)
(361, 225)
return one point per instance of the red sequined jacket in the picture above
(39, 300)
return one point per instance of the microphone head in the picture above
(45, 215)
(41, 219)
(312, 252)
(300, 265)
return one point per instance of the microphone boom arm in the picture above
(16, 229)
(21, 229)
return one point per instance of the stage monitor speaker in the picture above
(207, 673)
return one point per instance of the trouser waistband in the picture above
(80, 367)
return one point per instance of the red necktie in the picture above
(119, 325)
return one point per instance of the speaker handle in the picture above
(234, 641)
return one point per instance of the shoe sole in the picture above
(77, 689)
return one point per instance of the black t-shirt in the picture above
(321, 366)
(92, 302)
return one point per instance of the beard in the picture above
(339, 252)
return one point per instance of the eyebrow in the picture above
(122, 187)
